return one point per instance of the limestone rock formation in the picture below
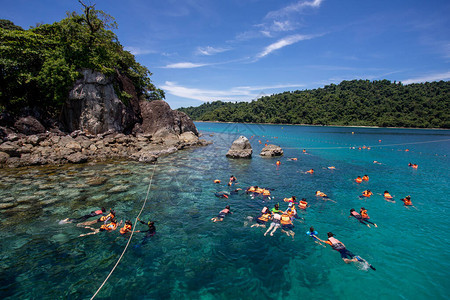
(240, 148)
(94, 107)
(160, 120)
(271, 150)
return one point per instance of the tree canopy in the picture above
(38, 66)
(353, 103)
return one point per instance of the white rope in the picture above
(132, 232)
(374, 146)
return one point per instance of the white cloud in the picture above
(428, 78)
(138, 51)
(184, 65)
(283, 43)
(210, 50)
(242, 93)
(296, 7)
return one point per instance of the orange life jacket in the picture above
(387, 195)
(217, 181)
(365, 178)
(251, 189)
(358, 180)
(109, 227)
(285, 220)
(291, 212)
(266, 193)
(367, 194)
(303, 204)
(407, 202)
(107, 217)
(125, 229)
(278, 163)
(265, 217)
(364, 214)
(310, 171)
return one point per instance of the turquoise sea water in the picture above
(192, 258)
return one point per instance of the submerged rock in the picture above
(240, 148)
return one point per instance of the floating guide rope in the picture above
(374, 146)
(132, 232)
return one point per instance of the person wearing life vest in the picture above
(266, 192)
(337, 245)
(291, 200)
(216, 181)
(222, 214)
(222, 195)
(311, 171)
(358, 179)
(110, 226)
(276, 223)
(278, 163)
(252, 189)
(103, 219)
(407, 201)
(358, 217)
(291, 211)
(303, 204)
(320, 194)
(367, 193)
(388, 197)
(105, 227)
(127, 227)
(262, 219)
(85, 217)
(365, 178)
(365, 216)
(232, 180)
(286, 225)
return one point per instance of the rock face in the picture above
(271, 150)
(160, 120)
(240, 148)
(94, 107)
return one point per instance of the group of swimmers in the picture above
(110, 223)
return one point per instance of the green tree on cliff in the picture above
(39, 66)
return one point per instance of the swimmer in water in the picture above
(105, 227)
(85, 217)
(312, 233)
(365, 216)
(263, 218)
(337, 245)
(358, 217)
(222, 214)
(276, 223)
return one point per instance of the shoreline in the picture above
(345, 126)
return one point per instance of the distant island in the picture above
(351, 103)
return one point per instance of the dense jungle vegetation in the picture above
(38, 66)
(352, 103)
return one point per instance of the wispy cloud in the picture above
(294, 8)
(138, 51)
(241, 93)
(292, 39)
(428, 78)
(211, 50)
(184, 65)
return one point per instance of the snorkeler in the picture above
(303, 204)
(127, 227)
(104, 219)
(286, 225)
(365, 216)
(310, 171)
(105, 227)
(292, 199)
(151, 228)
(222, 195)
(358, 217)
(337, 245)
(222, 214)
(312, 233)
(276, 209)
(367, 193)
(320, 194)
(276, 223)
(232, 180)
(262, 219)
(388, 197)
(85, 217)
(358, 179)
(365, 178)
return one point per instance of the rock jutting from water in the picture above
(271, 150)
(240, 148)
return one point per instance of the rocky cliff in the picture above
(102, 125)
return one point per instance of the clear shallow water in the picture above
(192, 258)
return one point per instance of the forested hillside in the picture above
(357, 102)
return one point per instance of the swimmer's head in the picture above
(330, 234)
(227, 207)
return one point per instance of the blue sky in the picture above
(240, 50)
